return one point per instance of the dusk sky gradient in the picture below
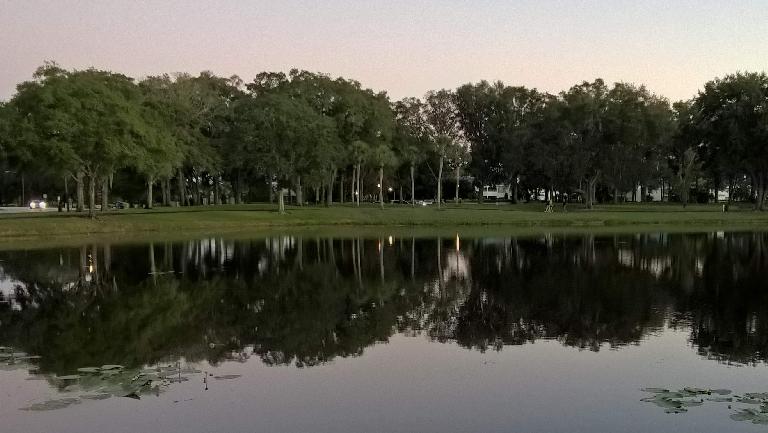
(403, 47)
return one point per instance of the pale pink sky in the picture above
(404, 47)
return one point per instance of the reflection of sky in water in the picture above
(410, 385)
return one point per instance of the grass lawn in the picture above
(129, 224)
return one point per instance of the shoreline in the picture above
(344, 220)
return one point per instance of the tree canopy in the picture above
(207, 139)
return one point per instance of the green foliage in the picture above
(731, 121)
(219, 135)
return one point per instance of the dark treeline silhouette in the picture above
(100, 137)
(305, 301)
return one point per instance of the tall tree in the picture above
(411, 137)
(585, 107)
(382, 157)
(286, 135)
(732, 119)
(88, 120)
(444, 130)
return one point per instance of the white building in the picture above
(497, 192)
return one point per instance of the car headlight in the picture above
(43, 205)
(31, 205)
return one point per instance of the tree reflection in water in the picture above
(304, 301)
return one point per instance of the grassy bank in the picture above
(224, 219)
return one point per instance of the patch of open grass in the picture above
(259, 217)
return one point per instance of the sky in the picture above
(406, 47)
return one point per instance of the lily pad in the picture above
(69, 377)
(664, 402)
(751, 415)
(227, 376)
(676, 410)
(654, 390)
(720, 399)
(101, 396)
(53, 404)
(111, 367)
(747, 400)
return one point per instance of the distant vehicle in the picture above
(425, 202)
(37, 204)
(121, 205)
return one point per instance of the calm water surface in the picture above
(392, 334)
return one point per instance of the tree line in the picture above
(191, 140)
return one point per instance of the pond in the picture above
(390, 333)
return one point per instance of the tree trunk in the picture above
(381, 187)
(22, 202)
(281, 201)
(759, 191)
(217, 189)
(440, 183)
(355, 193)
(169, 198)
(299, 192)
(413, 186)
(515, 192)
(458, 181)
(80, 191)
(730, 190)
(104, 193)
(182, 189)
(591, 186)
(91, 195)
(329, 190)
(150, 183)
(616, 195)
(359, 183)
(198, 192)
(341, 188)
(66, 192)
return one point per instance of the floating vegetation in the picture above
(92, 383)
(53, 404)
(678, 402)
(112, 380)
(752, 415)
(102, 396)
(69, 377)
(10, 360)
(227, 376)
